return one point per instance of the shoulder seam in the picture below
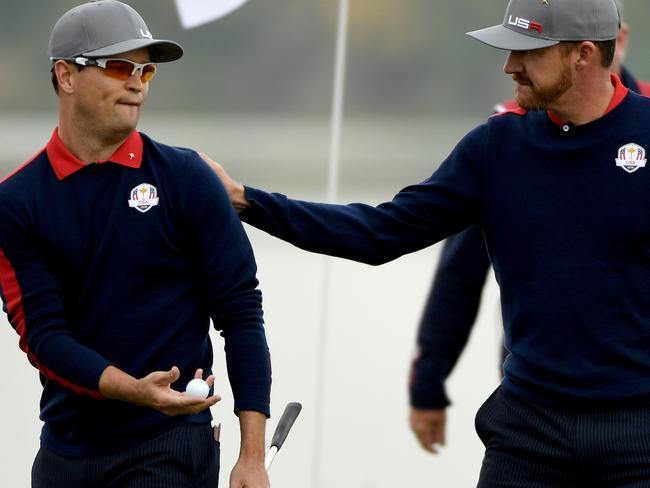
(22, 166)
(517, 111)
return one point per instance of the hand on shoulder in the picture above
(235, 190)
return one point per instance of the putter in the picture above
(289, 416)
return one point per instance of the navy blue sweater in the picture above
(124, 263)
(453, 302)
(564, 212)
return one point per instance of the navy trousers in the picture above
(186, 456)
(533, 446)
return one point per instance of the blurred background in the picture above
(254, 90)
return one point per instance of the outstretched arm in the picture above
(418, 216)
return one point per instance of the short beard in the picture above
(541, 99)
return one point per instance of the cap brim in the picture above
(503, 38)
(161, 51)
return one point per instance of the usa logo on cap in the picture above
(143, 197)
(631, 157)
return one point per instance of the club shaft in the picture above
(270, 456)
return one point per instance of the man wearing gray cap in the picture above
(453, 302)
(559, 187)
(115, 253)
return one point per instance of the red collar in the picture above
(65, 163)
(620, 92)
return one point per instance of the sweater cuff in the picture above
(432, 398)
(253, 406)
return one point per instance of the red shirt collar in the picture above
(620, 92)
(65, 163)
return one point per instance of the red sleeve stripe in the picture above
(13, 297)
(75, 388)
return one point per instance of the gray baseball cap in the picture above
(534, 24)
(619, 6)
(105, 28)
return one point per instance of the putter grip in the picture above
(289, 416)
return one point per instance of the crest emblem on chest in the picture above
(143, 197)
(631, 157)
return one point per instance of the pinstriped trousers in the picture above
(186, 456)
(532, 446)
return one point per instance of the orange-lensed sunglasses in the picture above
(120, 69)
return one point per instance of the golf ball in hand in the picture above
(197, 388)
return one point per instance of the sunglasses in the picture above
(120, 69)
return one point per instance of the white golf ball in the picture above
(197, 388)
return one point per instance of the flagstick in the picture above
(337, 103)
(332, 195)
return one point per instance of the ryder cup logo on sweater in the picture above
(631, 157)
(143, 197)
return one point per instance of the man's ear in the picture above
(65, 72)
(587, 52)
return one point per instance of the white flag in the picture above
(198, 12)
